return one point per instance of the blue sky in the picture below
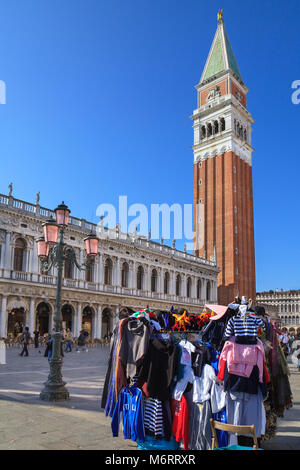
(99, 99)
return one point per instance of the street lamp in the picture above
(52, 251)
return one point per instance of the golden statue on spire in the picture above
(220, 16)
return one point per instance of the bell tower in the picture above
(223, 198)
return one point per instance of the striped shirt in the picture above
(153, 417)
(244, 325)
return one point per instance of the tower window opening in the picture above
(222, 124)
(216, 127)
(209, 130)
(203, 132)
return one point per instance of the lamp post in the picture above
(52, 251)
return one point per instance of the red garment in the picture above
(180, 427)
(120, 375)
(221, 367)
(267, 375)
(144, 389)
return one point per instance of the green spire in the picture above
(221, 56)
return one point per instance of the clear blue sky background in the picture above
(99, 99)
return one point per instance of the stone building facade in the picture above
(287, 303)
(129, 271)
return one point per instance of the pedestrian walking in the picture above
(62, 333)
(69, 338)
(25, 339)
(49, 346)
(82, 340)
(48, 350)
(36, 338)
(290, 342)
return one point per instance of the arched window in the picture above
(68, 269)
(203, 132)
(178, 284)
(125, 274)
(154, 280)
(87, 322)
(222, 123)
(216, 127)
(89, 274)
(108, 272)
(19, 254)
(209, 130)
(245, 135)
(67, 313)
(188, 287)
(166, 282)
(140, 278)
(199, 289)
(208, 290)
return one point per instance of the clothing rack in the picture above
(178, 331)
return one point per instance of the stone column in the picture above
(147, 286)
(203, 290)
(2, 253)
(94, 323)
(31, 319)
(95, 277)
(78, 319)
(194, 287)
(99, 322)
(100, 270)
(7, 262)
(161, 282)
(3, 319)
(118, 273)
(184, 279)
(80, 274)
(133, 275)
(172, 290)
(35, 259)
(214, 291)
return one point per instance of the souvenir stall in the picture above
(170, 372)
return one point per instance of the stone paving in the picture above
(26, 422)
